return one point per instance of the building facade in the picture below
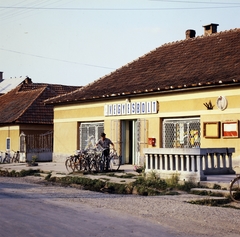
(181, 95)
(26, 123)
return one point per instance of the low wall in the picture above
(189, 163)
(41, 156)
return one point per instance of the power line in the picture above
(194, 2)
(115, 9)
(55, 59)
(19, 12)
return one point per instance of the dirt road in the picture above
(32, 207)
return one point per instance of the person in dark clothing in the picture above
(105, 144)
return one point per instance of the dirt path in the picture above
(171, 215)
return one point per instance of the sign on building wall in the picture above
(146, 107)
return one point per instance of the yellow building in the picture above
(26, 123)
(181, 95)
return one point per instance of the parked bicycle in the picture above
(115, 160)
(7, 158)
(235, 189)
(111, 162)
(16, 157)
(93, 160)
(1, 157)
(72, 162)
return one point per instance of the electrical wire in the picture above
(115, 9)
(194, 2)
(55, 59)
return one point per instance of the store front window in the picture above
(90, 133)
(181, 133)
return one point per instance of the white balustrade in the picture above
(189, 163)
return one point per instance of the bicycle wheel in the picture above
(115, 162)
(235, 190)
(69, 164)
(101, 164)
(97, 163)
(13, 159)
(17, 157)
(6, 160)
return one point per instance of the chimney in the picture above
(1, 76)
(190, 34)
(210, 29)
(27, 80)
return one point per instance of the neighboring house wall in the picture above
(11, 132)
(175, 105)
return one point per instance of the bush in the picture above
(173, 181)
(187, 186)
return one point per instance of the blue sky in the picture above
(74, 42)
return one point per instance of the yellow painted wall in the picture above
(172, 105)
(66, 137)
(153, 130)
(11, 132)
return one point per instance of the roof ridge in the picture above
(62, 95)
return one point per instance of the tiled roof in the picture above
(25, 103)
(195, 62)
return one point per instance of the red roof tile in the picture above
(201, 61)
(25, 103)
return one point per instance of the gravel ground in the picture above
(170, 211)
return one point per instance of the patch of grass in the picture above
(60, 173)
(111, 175)
(187, 186)
(86, 183)
(21, 173)
(216, 186)
(210, 202)
(231, 206)
(173, 181)
(207, 193)
(48, 176)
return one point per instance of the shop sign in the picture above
(149, 107)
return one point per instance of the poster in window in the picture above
(230, 129)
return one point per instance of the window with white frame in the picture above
(8, 144)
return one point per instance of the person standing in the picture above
(105, 143)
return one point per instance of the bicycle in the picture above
(16, 157)
(83, 160)
(7, 158)
(111, 162)
(115, 161)
(72, 162)
(1, 157)
(235, 189)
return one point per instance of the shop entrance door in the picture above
(129, 141)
